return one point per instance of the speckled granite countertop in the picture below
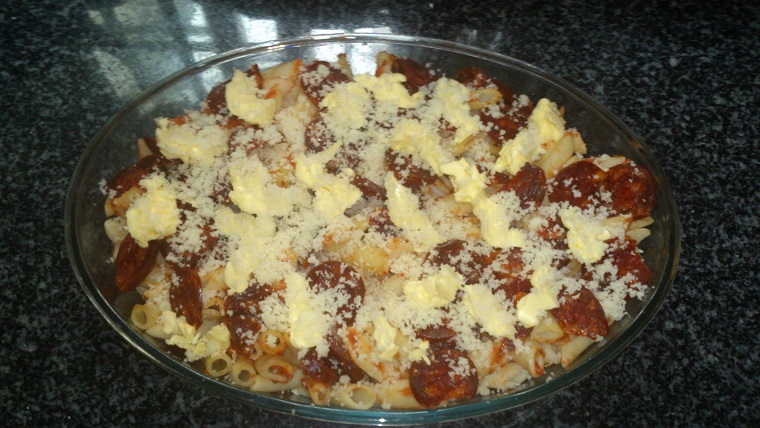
(683, 75)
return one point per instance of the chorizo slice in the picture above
(628, 263)
(417, 75)
(632, 190)
(450, 375)
(319, 368)
(338, 362)
(581, 314)
(368, 188)
(190, 258)
(454, 253)
(342, 358)
(342, 277)
(131, 175)
(243, 331)
(216, 100)
(319, 138)
(314, 82)
(507, 267)
(505, 126)
(529, 184)
(554, 233)
(134, 263)
(405, 171)
(247, 302)
(186, 295)
(436, 333)
(578, 184)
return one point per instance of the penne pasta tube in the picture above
(361, 348)
(116, 230)
(642, 222)
(639, 234)
(262, 384)
(484, 97)
(272, 342)
(145, 316)
(214, 280)
(218, 364)
(572, 349)
(369, 258)
(142, 149)
(607, 162)
(243, 373)
(547, 331)
(397, 395)
(119, 206)
(354, 396)
(274, 368)
(532, 359)
(318, 391)
(557, 153)
(212, 314)
(508, 376)
(256, 351)
(158, 332)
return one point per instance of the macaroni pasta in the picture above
(398, 239)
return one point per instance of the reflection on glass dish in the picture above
(601, 132)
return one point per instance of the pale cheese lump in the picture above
(285, 214)
(435, 290)
(586, 235)
(198, 141)
(154, 215)
(544, 124)
(403, 209)
(247, 101)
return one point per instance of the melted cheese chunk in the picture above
(185, 336)
(153, 215)
(435, 290)
(586, 235)
(544, 124)
(404, 211)
(308, 325)
(246, 101)
(254, 191)
(420, 352)
(450, 102)
(388, 89)
(489, 311)
(496, 215)
(333, 194)
(197, 141)
(243, 261)
(531, 309)
(413, 137)
(347, 106)
(243, 225)
(469, 184)
(385, 338)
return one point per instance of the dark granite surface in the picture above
(684, 75)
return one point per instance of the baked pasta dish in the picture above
(400, 240)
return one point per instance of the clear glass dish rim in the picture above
(374, 417)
